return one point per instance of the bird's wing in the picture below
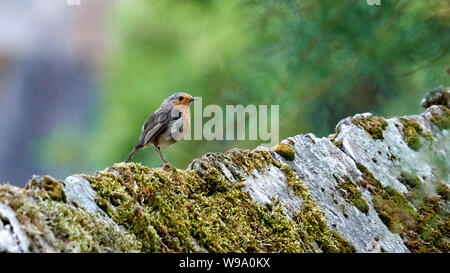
(155, 124)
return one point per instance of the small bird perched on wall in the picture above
(166, 125)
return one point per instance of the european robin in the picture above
(166, 125)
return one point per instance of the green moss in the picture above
(373, 126)
(250, 160)
(214, 182)
(80, 231)
(53, 226)
(180, 207)
(432, 230)
(369, 181)
(409, 179)
(424, 228)
(442, 121)
(295, 183)
(338, 144)
(351, 194)
(124, 197)
(444, 191)
(47, 188)
(411, 132)
(171, 210)
(428, 135)
(395, 211)
(313, 222)
(284, 150)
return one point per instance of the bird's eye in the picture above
(180, 98)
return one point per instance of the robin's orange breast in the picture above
(184, 109)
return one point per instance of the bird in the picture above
(166, 125)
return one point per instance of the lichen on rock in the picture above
(412, 130)
(285, 150)
(47, 187)
(374, 126)
(352, 194)
(55, 226)
(409, 179)
(424, 228)
(442, 119)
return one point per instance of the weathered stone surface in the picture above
(79, 192)
(31, 221)
(12, 237)
(376, 185)
(316, 162)
(262, 184)
(388, 158)
(440, 96)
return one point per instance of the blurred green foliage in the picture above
(321, 61)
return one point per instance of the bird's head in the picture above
(182, 99)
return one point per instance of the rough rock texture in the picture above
(376, 185)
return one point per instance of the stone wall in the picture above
(376, 185)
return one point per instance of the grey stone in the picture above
(79, 191)
(12, 236)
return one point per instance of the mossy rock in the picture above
(352, 194)
(395, 209)
(443, 120)
(338, 144)
(374, 126)
(47, 187)
(312, 219)
(285, 151)
(444, 191)
(172, 210)
(409, 179)
(439, 96)
(52, 225)
(412, 132)
(369, 181)
(424, 228)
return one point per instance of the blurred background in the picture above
(78, 81)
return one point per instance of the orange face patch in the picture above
(183, 99)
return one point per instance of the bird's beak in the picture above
(194, 98)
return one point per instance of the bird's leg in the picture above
(161, 155)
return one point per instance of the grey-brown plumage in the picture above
(166, 125)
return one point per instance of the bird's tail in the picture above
(137, 148)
